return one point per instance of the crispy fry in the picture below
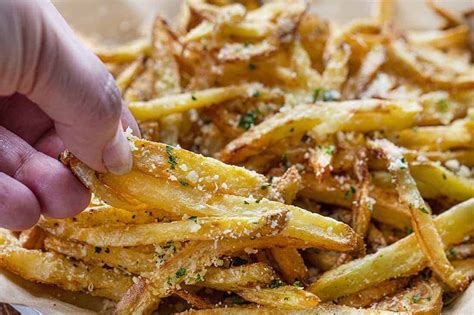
(125, 78)
(391, 261)
(52, 268)
(425, 297)
(466, 266)
(124, 54)
(127, 259)
(286, 297)
(32, 238)
(290, 264)
(193, 299)
(327, 118)
(203, 228)
(373, 294)
(428, 238)
(238, 278)
(362, 206)
(289, 185)
(321, 309)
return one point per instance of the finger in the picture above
(19, 208)
(47, 63)
(50, 144)
(23, 117)
(128, 121)
(59, 193)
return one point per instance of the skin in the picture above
(54, 94)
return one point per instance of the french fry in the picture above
(337, 68)
(309, 78)
(362, 206)
(8, 238)
(238, 278)
(326, 118)
(125, 78)
(288, 185)
(162, 193)
(321, 309)
(203, 228)
(383, 11)
(192, 299)
(461, 251)
(466, 266)
(457, 135)
(450, 18)
(373, 294)
(171, 104)
(456, 36)
(141, 88)
(287, 297)
(387, 208)
(124, 54)
(441, 181)
(52, 268)
(320, 160)
(428, 238)
(425, 297)
(127, 259)
(32, 238)
(290, 264)
(392, 261)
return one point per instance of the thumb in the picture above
(46, 62)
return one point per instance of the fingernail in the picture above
(117, 156)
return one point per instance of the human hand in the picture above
(54, 93)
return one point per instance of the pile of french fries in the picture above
(288, 166)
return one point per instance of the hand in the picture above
(54, 94)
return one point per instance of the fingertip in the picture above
(117, 156)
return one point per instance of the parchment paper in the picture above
(118, 21)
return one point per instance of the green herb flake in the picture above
(416, 298)
(193, 218)
(452, 252)
(424, 210)
(193, 97)
(265, 186)
(298, 284)
(292, 129)
(286, 298)
(181, 272)
(350, 191)
(256, 94)
(258, 200)
(444, 176)
(275, 283)
(168, 281)
(171, 158)
(252, 66)
(316, 93)
(247, 120)
(329, 150)
(183, 182)
(246, 202)
(442, 105)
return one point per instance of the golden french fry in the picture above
(127, 259)
(428, 237)
(466, 266)
(125, 78)
(392, 261)
(286, 297)
(320, 309)
(373, 294)
(126, 53)
(290, 264)
(288, 185)
(32, 238)
(238, 278)
(325, 118)
(203, 228)
(425, 297)
(8, 238)
(52, 268)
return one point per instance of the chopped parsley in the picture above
(183, 182)
(171, 158)
(442, 105)
(193, 218)
(265, 186)
(424, 210)
(247, 120)
(256, 93)
(416, 298)
(452, 252)
(168, 281)
(181, 272)
(444, 176)
(286, 298)
(409, 231)
(258, 200)
(276, 283)
(316, 93)
(194, 98)
(298, 284)
(292, 129)
(97, 249)
(199, 278)
(350, 191)
(252, 66)
(329, 150)
(246, 202)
